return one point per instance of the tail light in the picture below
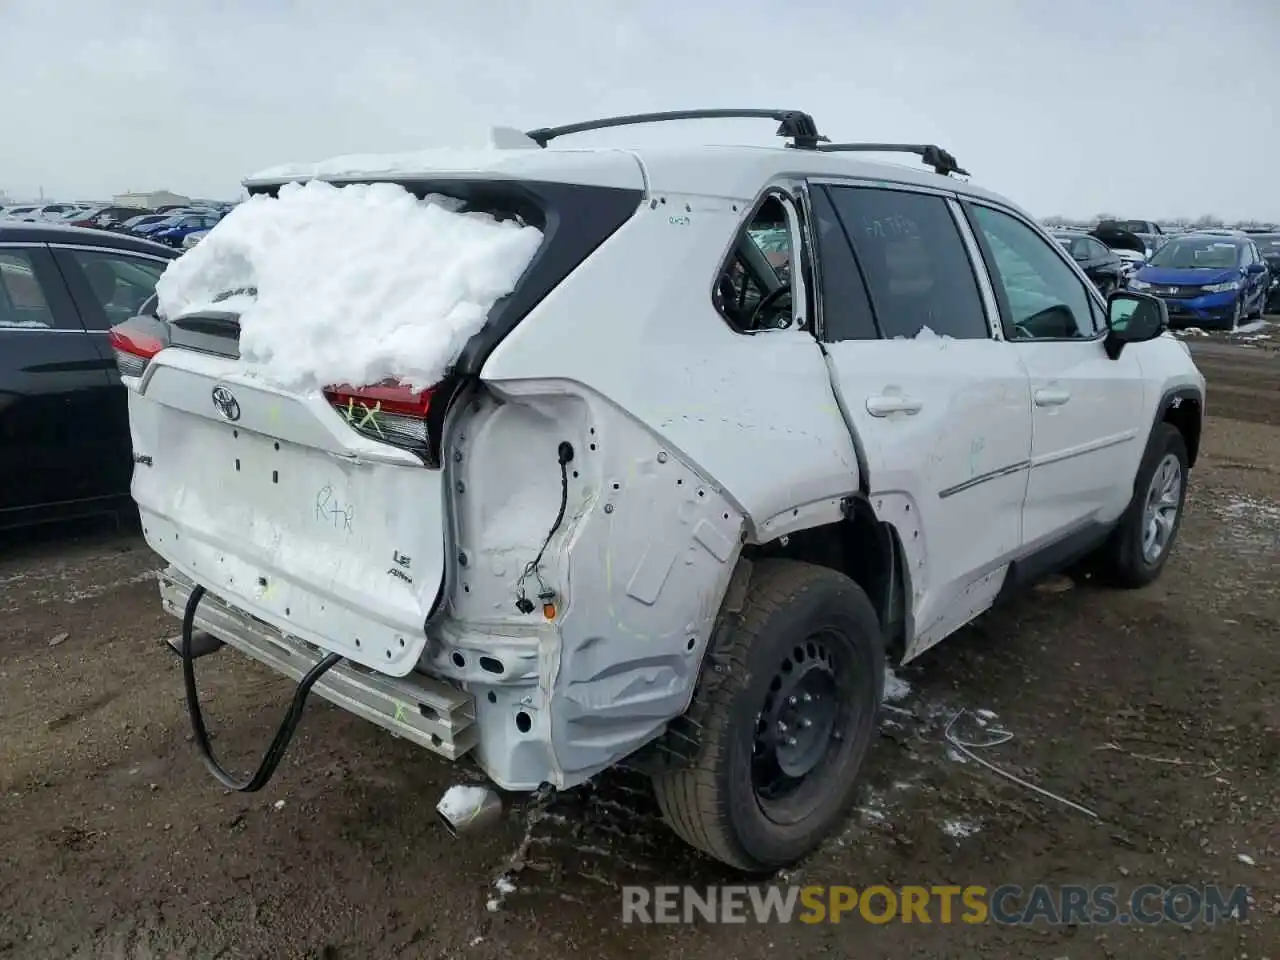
(389, 412)
(135, 342)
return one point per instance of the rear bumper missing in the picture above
(425, 711)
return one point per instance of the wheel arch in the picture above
(1183, 408)
(864, 548)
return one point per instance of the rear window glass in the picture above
(917, 268)
(22, 303)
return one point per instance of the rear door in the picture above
(53, 387)
(108, 286)
(940, 405)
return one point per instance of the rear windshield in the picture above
(573, 219)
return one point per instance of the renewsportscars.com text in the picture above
(1006, 904)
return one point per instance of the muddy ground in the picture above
(1159, 710)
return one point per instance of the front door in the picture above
(1088, 430)
(940, 405)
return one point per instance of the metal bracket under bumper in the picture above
(427, 712)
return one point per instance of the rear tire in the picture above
(1137, 550)
(1262, 308)
(785, 720)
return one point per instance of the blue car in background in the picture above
(174, 230)
(1207, 280)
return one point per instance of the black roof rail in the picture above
(795, 125)
(942, 162)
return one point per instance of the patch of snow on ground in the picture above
(960, 828)
(355, 285)
(895, 688)
(1190, 332)
(1247, 860)
(1254, 327)
(505, 888)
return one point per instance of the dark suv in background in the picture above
(1268, 245)
(64, 425)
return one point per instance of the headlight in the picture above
(1136, 284)
(1223, 287)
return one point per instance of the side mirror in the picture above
(1255, 268)
(1133, 318)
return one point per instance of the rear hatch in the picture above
(1118, 239)
(274, 502)
(322, 512)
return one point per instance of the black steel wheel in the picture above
(785, 729)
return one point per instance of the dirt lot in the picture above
(1158, 709)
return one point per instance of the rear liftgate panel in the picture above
(273, 503)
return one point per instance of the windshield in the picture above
(1197, 254)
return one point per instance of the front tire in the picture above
(785, 719)
(1143, 539)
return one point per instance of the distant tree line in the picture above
(1202, 222)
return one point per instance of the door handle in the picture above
(882, 405)
(1052, 397)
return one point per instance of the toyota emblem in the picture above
(225, 403)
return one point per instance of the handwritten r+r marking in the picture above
(329, 510)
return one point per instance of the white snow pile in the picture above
(468, 159)
(356, 284)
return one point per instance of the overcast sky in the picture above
(1144, 108)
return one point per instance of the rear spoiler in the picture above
(1117, 239)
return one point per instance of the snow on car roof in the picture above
(732, 171)
(355, 284)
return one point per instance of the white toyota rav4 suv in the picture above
(678, 498)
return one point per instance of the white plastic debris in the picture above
(279, 805)
(458, 799)
(1247, 860)
(354, 285)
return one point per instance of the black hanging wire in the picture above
(564, 454)
(280, 743)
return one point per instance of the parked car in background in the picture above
(40, 212)
(191, 239)
(1100, 263)
(176, 229)
(103, 218)
(1268, 245)
(1133, 249)
(64, 423)
(1149, 227)
(135, 224)
(1207, 279)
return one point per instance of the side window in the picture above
(753, 290)
(1040, 296)
(22, 302)
(117, 283)
(917, 268)
(1097, 251)
(846, 310)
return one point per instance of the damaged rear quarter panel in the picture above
(638, 566)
